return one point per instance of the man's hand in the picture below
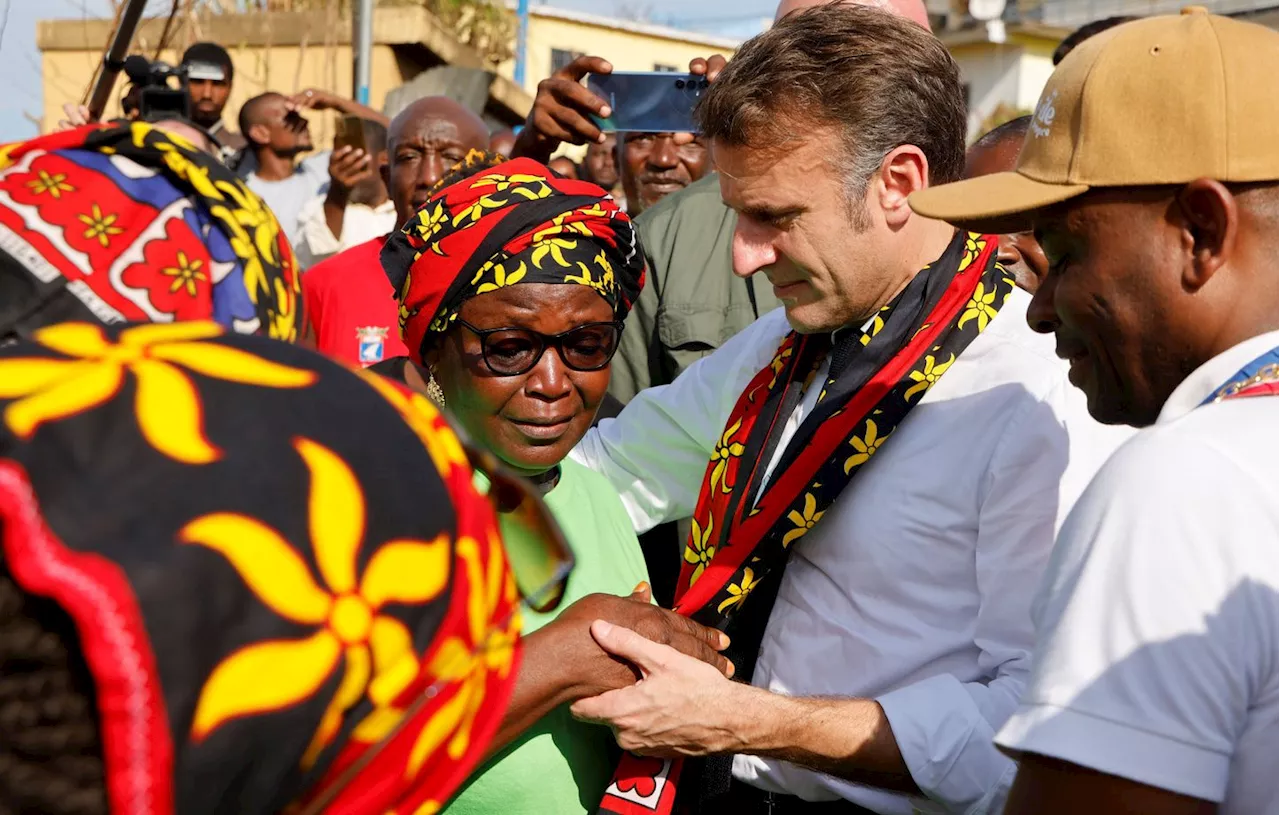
(348, 166)
(710, 68)
(316, 99)
(77, 116)
(319, 99)
(681, 707)
(597, 671)
(562, 111)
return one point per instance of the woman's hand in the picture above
(563, 663)
(592, 670)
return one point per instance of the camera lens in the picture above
(680, 84)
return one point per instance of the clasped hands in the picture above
(655, 677)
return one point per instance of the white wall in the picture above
(992, 71)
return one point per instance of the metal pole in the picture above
(362, 48)
(522, 40)
(113, 60)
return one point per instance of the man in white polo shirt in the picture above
(1149, 176)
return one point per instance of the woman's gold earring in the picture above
(434, 392)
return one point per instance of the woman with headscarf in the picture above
(513, 284)
(213, 599)
(127, 222)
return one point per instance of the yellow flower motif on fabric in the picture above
(476, 211)
(166, 403)
(343, 608)
(501, 277)
(100, 226)
(973, 246)
(559, 225)
(431, 220)
(803, 521)
(527, 186)
(281, 321)
(588, 278)
(979, 307)
(700, 549)
(55, 184)
(6, 153)
(877, 325)
(488, 652)
(255, 274)
(726, 449)
(186, 273)
(779, 363)
(866, 446)
(184, 168)
(425, 420)
(140, 130)
(738, 591)
(555, 248)
(607, 276)
(252, 213)
(929, 376)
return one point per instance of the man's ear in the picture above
(1211, 223)
(904, 170)
(259, 134)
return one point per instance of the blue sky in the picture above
(20, 60)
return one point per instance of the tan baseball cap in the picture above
(1162, 100)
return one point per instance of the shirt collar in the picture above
(1213, 374)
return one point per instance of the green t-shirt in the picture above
(561, 766)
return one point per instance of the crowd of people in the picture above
(806, 463)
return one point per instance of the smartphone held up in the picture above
(648, 101)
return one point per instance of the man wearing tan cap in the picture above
(1149, 177)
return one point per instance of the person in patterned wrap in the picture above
(513, 283)
(127, 222)
(213, 600)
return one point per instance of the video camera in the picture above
(159, 96)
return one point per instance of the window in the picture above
(560, 58)
(671, 69)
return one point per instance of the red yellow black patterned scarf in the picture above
(126, 222)
(498, 226)
(261, 595)
(878, 374)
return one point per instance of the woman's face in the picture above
(531, 421)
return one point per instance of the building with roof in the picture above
(1005, 49)
(288, 51)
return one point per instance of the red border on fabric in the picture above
(136, 744)
(790, 484)
(1260, 389)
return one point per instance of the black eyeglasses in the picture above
(514, 351)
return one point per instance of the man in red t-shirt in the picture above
(350, 306)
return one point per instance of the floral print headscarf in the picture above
(126, 222)
(494, 226)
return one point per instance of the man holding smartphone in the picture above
(278, 133)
